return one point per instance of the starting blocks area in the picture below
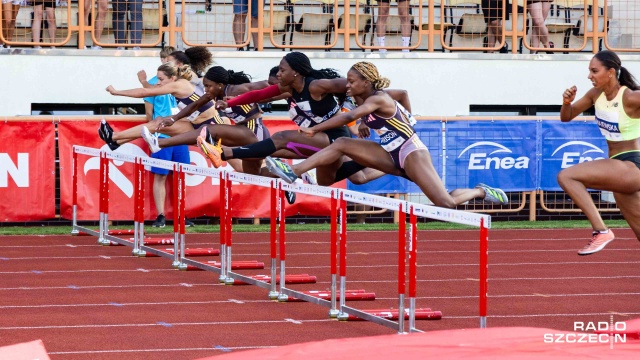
(269, 256)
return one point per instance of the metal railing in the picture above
(361, 25)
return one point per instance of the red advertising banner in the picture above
(202, 193)
(27, 171)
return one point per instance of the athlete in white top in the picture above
(617, 103)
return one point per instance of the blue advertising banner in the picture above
(430, 132)
(565, 145)
(501, 154)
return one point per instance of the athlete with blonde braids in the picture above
(400, 151)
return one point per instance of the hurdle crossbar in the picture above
(338, 197)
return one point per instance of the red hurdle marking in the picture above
(197, 251)
(392, 314)
(484, 269)
(110, 232)
(288, 279)
(240, 265)
(357, 295)
(157, 241)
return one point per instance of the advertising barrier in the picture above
(515, 155)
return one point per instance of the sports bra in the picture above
(613, 121)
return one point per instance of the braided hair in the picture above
(610, 60)
(223, 76)
(301, 63)
(370, 73)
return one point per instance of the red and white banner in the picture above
(202, 193)
(27, 171)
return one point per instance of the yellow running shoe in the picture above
(213, 152)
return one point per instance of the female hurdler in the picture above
(617, 103)
(400, 151)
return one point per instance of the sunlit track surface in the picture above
(63, 288)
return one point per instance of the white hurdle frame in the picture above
(338, 197)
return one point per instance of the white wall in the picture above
(439, 84)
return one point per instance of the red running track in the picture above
(88, 301)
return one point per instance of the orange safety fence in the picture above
(517, 26)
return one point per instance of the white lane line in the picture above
(102, 286)
(506, 316)
(158, 350)
(82, 271)
(66, 257)
(105, 256)
(524, 295)
(474, 264)
(162, 303)
(294, 321)
(93, 326)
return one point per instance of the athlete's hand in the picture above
(142, 76)
(363, 131)
(111, 90)
(307, 131)
(221, 105)
(569, 95)
(164, 122)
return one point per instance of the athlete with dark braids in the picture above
(312, 97)
(248, 129)
(400, 151)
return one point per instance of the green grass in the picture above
(65, 230)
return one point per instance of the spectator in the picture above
(493, 15)
(405, 24)
(120, 8)
(39, 7)
(10, 10)
(240, 9)
(539, 10)
(159, 106)
(98, 22)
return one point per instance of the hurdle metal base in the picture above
(203, 266)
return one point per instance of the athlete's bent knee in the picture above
(563, 178)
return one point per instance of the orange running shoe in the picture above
(213, 152)
(597, 243)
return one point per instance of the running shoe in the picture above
(290, 196)
(281, 169)
(106, 134)
(494, 195)
(597, 243)
(160, 221)
(309, 177)
(150, 139)
(213, 152)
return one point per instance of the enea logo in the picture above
(484, 161)
(570, 158)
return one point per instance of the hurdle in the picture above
(413, 210)
(226, 264)
(104, 235)
(338, 199)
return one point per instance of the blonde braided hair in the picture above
(370, 73)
